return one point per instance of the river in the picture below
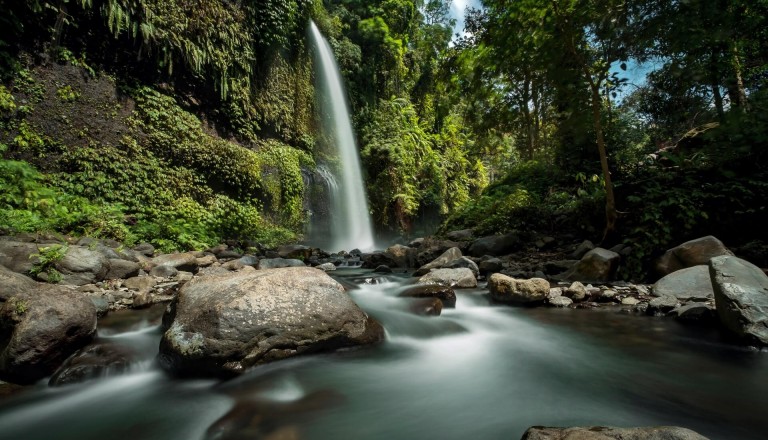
(479, 371)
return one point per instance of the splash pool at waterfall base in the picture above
(480, 371)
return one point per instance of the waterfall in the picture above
(351, 223)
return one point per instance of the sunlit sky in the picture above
(635, 72)
(457, 11)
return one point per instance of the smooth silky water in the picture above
(479, 371)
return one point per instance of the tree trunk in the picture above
(610, 201)
(736, 91)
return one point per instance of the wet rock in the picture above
(42, 325)
(184, 261)
(101, 303)
(576, 291)
(277, 263)
(662, 304)
(692, 283)
(426, 306)
(741, 297)
(119, 269)
(560, 301)
(695, 313)
(609, 433)
(446, 294)
(597, 265)
(93, 362)
(82, 266)
(327, 267)
(461, 278)
(439, 262)
(691, 253)
(219, 325)
(511, 291)
(495, 245)
(416, 242)
(464, 262)
(382, 269)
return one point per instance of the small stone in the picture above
(630, 301)
(554, 292)
(328, 267)
(560, 301)
(576, 291)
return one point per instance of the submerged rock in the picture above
(426, 306)
(741, 297)
(609, 433)
(92, 362)
(219, 325)
(446, 294)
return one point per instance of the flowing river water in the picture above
(479, 371)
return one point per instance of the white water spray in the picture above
(351, 224)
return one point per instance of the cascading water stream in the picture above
(351, 224)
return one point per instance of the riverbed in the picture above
(479, 371)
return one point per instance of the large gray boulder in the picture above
(463, 262)
(439, 262)
(185, 261)
(429, 249)
(495, 245)
(692, 283)
(277, 263)
(691, 253)
(18, 256)
(461, 278)
(82, 266)
(511, 291)
(219, 325)
(741, 297)
(40, 326)
(609, 433)
(121, 269)
(596, 265)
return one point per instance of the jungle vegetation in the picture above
(186, 123)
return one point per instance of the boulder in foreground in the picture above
(219, 325)
(608, 433)
(40, 326)
(741, 297)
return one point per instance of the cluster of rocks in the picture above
(702, 281)
(227, 310)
